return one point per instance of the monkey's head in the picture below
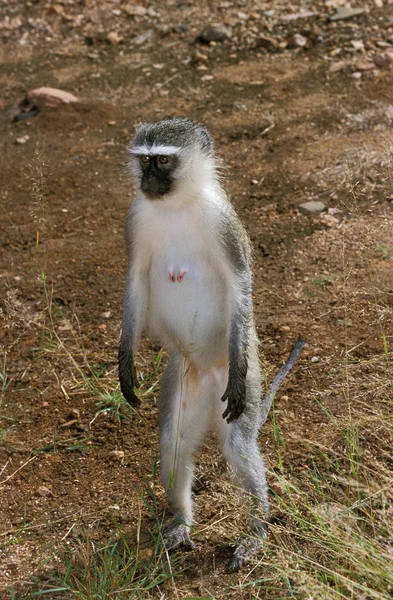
(168, 153)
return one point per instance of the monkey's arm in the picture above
(237, 249)
(134, 315)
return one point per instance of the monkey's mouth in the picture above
(155, 188)
(153, 195)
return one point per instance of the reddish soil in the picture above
(289, 129)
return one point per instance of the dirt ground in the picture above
(300, 109)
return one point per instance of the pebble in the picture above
(277, 488)
(117, 454)
(329, 220)
(314, 359)
(141, 39)
(313, 206)
(135, 11)
(215, 33)
(358, 45)
(346, 12)
(337, 66)
(385, 60)
(43, 492)
(114, 38)
(182, 28)
(364, 66)
(267, 42)
(22, 140)
(47, 96)
(297, 41)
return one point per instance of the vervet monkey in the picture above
(189, 284)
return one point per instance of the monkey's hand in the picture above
(128, 378)
(236, 396)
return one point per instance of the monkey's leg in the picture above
(184, 416)
(242, 453)
(240, 448)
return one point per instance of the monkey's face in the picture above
(157, 174)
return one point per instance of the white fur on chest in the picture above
(187, 290)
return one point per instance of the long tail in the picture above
(279, 378)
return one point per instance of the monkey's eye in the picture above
(163, 160)
(145, 159)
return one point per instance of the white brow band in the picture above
(155, 149)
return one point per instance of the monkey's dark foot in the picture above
(246, 549)
(178, 534)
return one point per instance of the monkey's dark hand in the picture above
(236, 396)
(128, 378)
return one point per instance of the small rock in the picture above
(284, 398)
(297, 41)
(277, 488)
(43, 492)
(47, 96)
(135, 11)
(314, 359)
(305, 14)
(114, 38)
(207, 77)
(22, 140)
(141, 39)
(358, 45)
(238, 105)
(74, 413)
(11, 23)
(333, 210)
(285, 328)
(313, 206)
(199, 57)
(117, 454)
(69, 423)
(357, 75)
(267, 42)
(337, 66)
(364, 65)
(329, 220)
(183, 28)
(215, 33)
(346, 12)
(385, 60)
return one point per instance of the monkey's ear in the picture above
(207, 143)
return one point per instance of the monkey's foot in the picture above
(246, 549)
(177, 534)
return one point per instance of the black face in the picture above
(157, 174)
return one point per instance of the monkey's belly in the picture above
(188, 313)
